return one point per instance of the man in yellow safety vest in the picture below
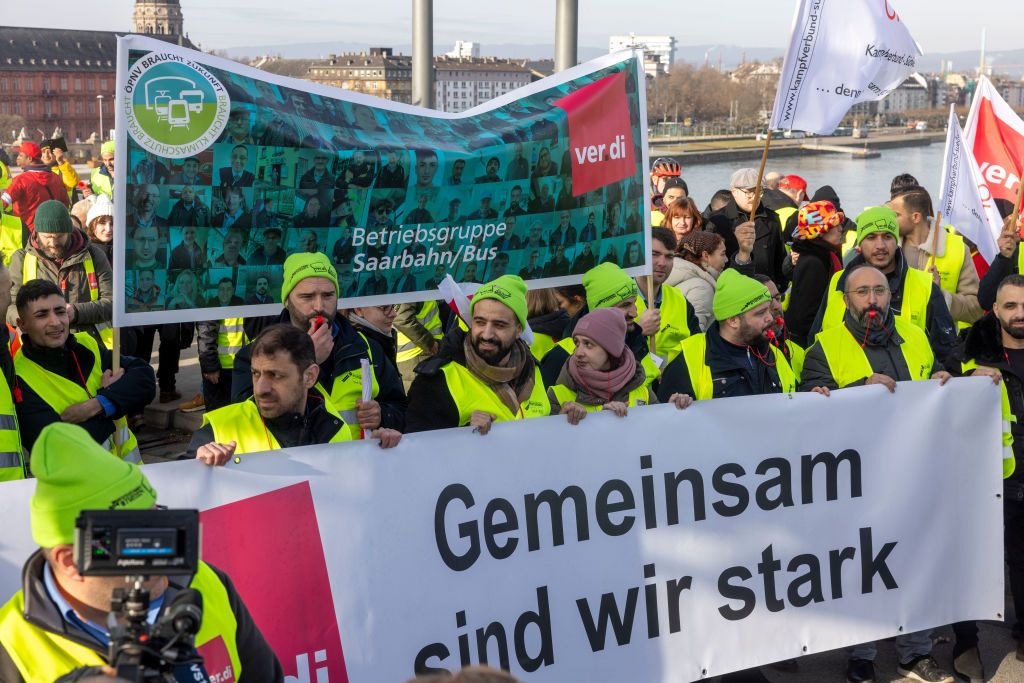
(60, 253)
(102, 178)
(64, 377)
(285, 409)
(672, 318)
(58, 624)
(951, 266)
(733, 358)
(915, 297)
(310, 295)
(485, 375)
(873, 346)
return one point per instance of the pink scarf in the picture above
(604, 384)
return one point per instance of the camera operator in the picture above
(58, 621)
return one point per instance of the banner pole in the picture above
(116, 351)
(935, 237)
(650, 304)
(760, 174)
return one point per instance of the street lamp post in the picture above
(100, 98)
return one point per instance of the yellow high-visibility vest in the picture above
(12, 460)
(59, 393)
(470, 393)
(694, 351)
(917, 292)
(430, 317)
(243, 424)
(637, 397)
(42, 655)
(230, 340)
(674, 325)
(848, 362)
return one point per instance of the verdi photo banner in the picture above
(664, 546)
(223, 170)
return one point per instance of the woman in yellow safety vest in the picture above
(602, 372)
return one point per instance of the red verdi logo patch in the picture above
(600, 134)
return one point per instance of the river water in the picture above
(858, 182)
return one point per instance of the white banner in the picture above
(664, 546)
(841, 52)
(960, 199)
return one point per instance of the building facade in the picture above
(465, 49)
(659, 51)
(62, 78)
(379, 72)
(462, 84)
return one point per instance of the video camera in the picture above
(138, 544)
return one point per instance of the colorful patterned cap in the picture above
(815, 219)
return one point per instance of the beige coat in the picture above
(698, 286)
(963, 305)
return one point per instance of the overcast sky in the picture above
(938, 25)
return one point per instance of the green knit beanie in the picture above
(52, 216)
(298, 267)
(108, 147)
(507, 289)
(736, 293)
(607, 285)
(74, 473)
(877, 219)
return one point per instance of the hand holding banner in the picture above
(841, 52)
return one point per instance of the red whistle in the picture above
(318, 322)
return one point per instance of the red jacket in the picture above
(33, 187)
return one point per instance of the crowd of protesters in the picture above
(771, 288)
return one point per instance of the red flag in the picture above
(995, 134)
(600, 134)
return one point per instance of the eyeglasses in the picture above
(389, 308)
(877, 290)
(778, 298)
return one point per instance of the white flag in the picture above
(960, 199)
(841, 52)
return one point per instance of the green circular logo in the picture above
(175, 108)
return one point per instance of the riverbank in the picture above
(702, 151)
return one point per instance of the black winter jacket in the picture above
(811, 275)
(735, 371)
(349, 348)
(130, 394)
(769, 250)
(257, 659)
(983, 345)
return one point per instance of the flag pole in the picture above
(1016, 205)
(116, 351)
(650, 305)
(760, 174)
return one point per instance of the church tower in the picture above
(159, 18)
